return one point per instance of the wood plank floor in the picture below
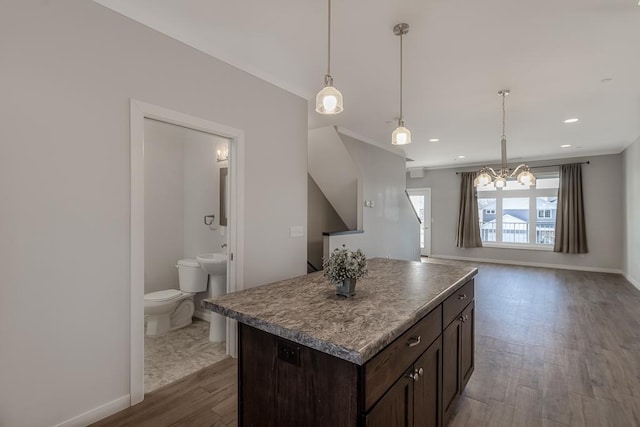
(553, 348)
(205, 398)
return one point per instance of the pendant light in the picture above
(499, 179)
(402, 135)
(329, 99)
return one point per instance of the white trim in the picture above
(632, 280)
(426, 191)
(235, 273)
(531, 264)
(532, 247)
(98, 413)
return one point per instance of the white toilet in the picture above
(171, 309)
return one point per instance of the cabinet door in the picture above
(427, 391)
(451, 375)
(467, 344)
(396, 406)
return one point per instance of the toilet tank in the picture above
(191, 276)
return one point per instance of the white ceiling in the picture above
(552, 54)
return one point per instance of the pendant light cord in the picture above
(329, 40)
(401, 117)
(503, 141)
(503, 115)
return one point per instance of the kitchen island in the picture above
(397, 353)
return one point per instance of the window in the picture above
(519, 216)
(544, 213)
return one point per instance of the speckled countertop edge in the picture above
(361, 351)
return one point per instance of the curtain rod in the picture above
(544, 166)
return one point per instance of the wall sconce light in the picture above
(223, 155)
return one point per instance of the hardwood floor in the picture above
(553, 348)
(205, 398)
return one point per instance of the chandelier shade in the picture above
(522, 173)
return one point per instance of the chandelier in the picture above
(488, 175)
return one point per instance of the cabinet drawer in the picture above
(391, 363)
(453, 305)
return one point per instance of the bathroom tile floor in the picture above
(179, 353)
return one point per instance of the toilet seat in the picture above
(165, 295)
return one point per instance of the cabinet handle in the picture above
(414, 341)
(420, 371)
(463, 318)
(413, 376)
(462, 296)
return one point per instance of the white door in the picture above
(421, 201)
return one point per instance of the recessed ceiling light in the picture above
(434, 140)
(572, 120)
(461, 157)
(565, 146)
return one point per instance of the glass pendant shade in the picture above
(401, 136)
(526, 178)
(329, 101)
(482, 179)
(500, 182)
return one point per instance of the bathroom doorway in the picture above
(184, 219)
(182, 211)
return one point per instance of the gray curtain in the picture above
(571, 233)
(468, 223)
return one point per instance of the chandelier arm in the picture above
(492, 173)
(515, 171)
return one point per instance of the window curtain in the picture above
(468, 223)
(571, 233)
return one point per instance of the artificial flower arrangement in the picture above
(345, 264)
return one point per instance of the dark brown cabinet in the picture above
(427, 395)
(414, 400)
(415, 381)
(396, 407)
(458, 359)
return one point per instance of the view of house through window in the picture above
(518, 215)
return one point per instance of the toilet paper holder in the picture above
(208, 219)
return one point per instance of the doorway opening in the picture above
(421, 202)
(185, 241)
(184, 219)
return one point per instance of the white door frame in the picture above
(235, 277)
(426, 225)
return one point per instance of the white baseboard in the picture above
(532, 264)
(204, 315)
(631, 280)
(98, 413)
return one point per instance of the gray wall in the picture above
(321, 217)
(163, 204)
(632, 213)
(69, 69)
(391, 228)
(603, 198)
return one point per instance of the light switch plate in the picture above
(296, 231)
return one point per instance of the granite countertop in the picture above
(388, 301)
